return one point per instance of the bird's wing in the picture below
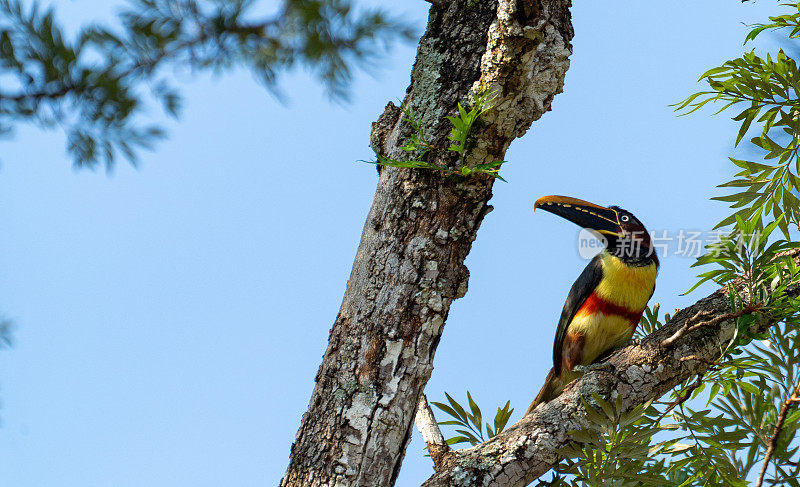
(581, 289)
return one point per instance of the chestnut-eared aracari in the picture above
(606, 303)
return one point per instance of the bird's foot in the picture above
(635, 342)
(604, 366)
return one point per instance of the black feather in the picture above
(581, 289)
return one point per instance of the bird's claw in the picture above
(635, 342)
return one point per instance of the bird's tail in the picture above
(549, 390)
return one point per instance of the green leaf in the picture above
(749, 388)
(457, 407)
(476, 412)
(502, 416)
(447, 409)
(458, 440)
(472, 438)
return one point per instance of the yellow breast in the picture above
(625, 285)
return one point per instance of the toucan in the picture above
(607, 300)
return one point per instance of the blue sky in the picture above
(170, 319)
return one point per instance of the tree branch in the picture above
(693, 323)
(431, 434)
(773, 441)
(640, 373)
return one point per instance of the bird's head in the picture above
(624, 235)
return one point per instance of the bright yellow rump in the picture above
(601, 332)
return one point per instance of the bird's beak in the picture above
(588, 215)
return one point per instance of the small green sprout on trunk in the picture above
(419, 147)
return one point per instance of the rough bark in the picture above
(640, 373)
(410, 264)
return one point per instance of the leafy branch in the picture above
(650, 322)
(767, 92)
(471, 423)
(791, 21)
(615, 448)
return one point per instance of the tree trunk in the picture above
(410, 264)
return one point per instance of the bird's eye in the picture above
(624, 218)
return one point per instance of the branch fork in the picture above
(694, 322)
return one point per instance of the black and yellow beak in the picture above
(587, 215)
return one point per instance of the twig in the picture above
(710, 363)
(694, 437)
(684, 395)
(773, 441)
(691, 324)
(427, 426)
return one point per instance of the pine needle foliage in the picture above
(97, 84)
